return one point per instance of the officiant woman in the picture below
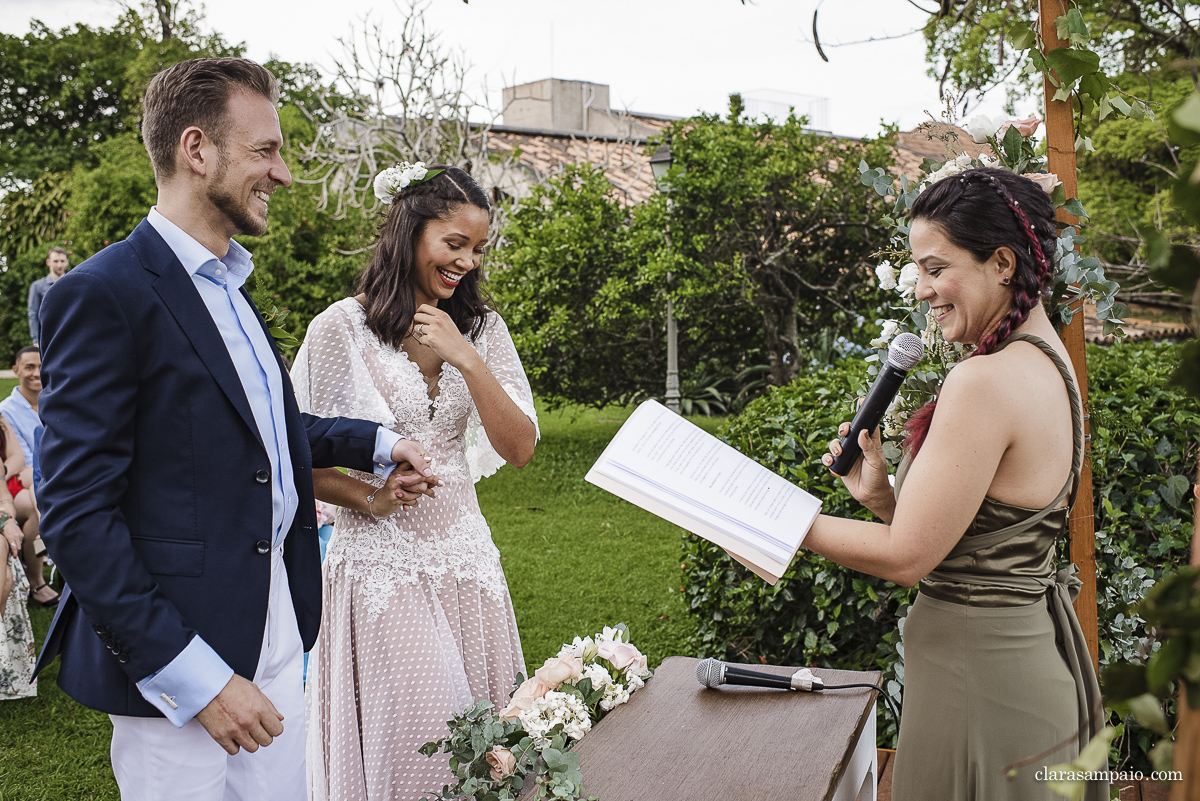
(996, 668)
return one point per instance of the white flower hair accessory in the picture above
(393, 180)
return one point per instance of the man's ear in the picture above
(196, 151)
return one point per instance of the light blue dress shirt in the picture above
(186, 685)
(25, 422)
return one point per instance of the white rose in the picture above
(945, 171)
(890, 328)
(383, 187)
(907, 283)
(982, 126)
(887, 275)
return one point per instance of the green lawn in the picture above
(576, 559)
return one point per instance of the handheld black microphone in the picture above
(713, 673)
(903, 354)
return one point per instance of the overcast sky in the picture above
(672, 57)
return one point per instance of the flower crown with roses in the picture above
(392, 181)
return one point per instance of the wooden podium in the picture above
(678, 741)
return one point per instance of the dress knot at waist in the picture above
(1064, 582)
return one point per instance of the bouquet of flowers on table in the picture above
(498, 756)
(1076, 279)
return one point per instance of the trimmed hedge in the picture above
(1144, 450)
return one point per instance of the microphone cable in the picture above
(882, 694)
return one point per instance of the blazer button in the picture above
(262, 476)
(262, 546)
(122, 658)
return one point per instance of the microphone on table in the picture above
(713, 673)
(904, 353)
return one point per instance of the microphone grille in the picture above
(906, 351)
(709, 672)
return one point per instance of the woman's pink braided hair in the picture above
(950, 204)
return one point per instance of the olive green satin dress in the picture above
(996, 669)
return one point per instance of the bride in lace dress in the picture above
(417, 619)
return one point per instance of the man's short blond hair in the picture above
(196, 93)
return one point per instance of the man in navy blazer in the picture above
(177, 496)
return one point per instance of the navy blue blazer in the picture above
(156, 497)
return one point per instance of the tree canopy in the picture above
(777, 211)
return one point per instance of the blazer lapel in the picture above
(181, 298)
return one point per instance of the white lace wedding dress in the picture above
(417, 619)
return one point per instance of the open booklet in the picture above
(678, 471)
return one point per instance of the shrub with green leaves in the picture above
(1143, 449)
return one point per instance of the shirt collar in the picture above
(192, 255)
(16, 395)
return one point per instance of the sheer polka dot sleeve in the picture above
(500, 355)
(330, 374)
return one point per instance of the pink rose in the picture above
(1046, 180)
(558, 669)
(1025, 127)
(621, 654)
(524, 697)
(502, 761)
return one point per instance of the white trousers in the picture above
(154, 761)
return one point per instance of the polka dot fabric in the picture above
(417, 620)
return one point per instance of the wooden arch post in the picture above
(1060, 146)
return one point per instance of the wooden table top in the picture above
(678, 741)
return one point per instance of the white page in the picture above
(687, 468)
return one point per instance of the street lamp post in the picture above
(660, 164)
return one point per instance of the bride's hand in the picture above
(867, 480)
(410, 485)
(434, 329)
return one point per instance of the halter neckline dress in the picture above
(996, 669)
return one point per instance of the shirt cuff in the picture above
(385, 441)
(187, 685)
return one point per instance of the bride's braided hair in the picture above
(387, 280)
(980, 211)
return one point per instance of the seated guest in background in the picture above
(20, 408)
(16, 633)
(58, 264)
(20, 412)
(996, 669)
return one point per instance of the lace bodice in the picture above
(343, 370)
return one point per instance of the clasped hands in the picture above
(412, 478)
